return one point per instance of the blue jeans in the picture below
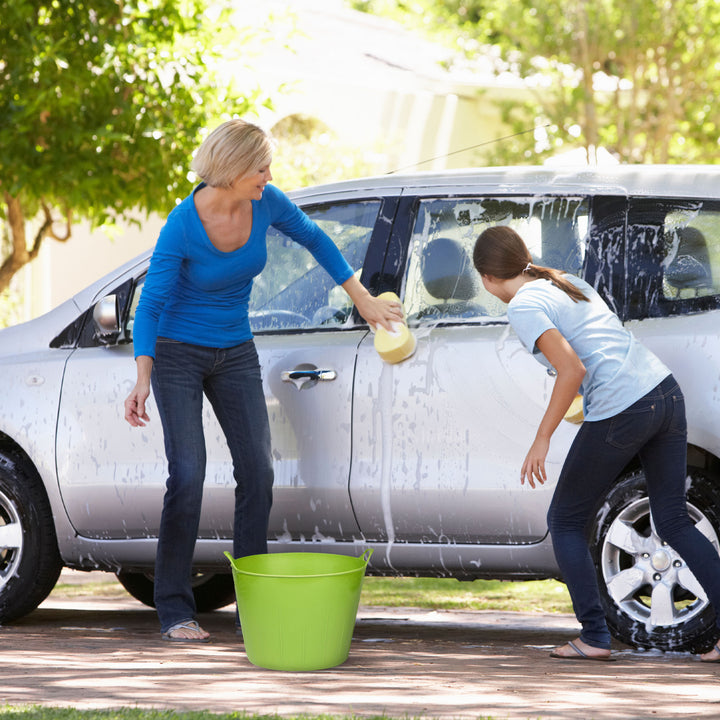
(653, 428)
(230, 378)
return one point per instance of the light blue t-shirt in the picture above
(198, 294)
(619, 369)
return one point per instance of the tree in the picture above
(630, 76)
(637, 77)
(101, 104)
(309, 153)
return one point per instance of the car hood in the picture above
(37, 334)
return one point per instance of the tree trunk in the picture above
(586, 66)
(19, 253)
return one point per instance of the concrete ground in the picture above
(107, 653)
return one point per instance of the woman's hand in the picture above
(380, 311)
(375, 311)
(135, 412)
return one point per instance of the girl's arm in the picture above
(570, 373)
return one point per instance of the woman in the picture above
(633, 407)
(192, 337)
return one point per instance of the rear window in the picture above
(691, 262)
(673, 257)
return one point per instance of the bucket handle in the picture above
(365, 557)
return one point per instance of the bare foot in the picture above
(578, 650)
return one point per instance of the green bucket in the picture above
(298, 610)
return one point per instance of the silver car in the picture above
(419, 460)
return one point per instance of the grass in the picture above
(429, 593)
(103, 588)
(50, 713)
(449, 594)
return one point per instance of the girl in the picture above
(633, 407)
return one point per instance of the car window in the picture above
(673, 250)
(441, 282)
(293, 291)
(132, 309)
(691, 261)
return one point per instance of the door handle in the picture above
(307, 376)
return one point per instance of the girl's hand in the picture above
(570, 374)
(534, 466)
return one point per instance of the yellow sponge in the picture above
(574, 413)
(398, 345)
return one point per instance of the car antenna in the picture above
(472, 147)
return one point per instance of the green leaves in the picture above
(638, 77)
(644, 80)
(102, 103)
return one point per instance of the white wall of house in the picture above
(65, 268)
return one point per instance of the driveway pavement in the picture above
(107, 653)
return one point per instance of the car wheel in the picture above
(650, 597)
(30, 563)
(211, 591)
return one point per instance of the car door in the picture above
(439, 439)
(673, 299)
(307, 337)
(112, 476)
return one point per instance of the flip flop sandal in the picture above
(580, 655)
(191, 625)
(716, 648)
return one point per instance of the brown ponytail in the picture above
(499, 251)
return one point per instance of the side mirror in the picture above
(106, 320)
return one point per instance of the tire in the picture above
(650, 597)
(30, 562)
(211, 591)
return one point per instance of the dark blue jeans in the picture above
(654, 428)
(230, 378)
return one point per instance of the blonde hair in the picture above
(234, 149)
(499, 251)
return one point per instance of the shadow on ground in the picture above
(107, 653)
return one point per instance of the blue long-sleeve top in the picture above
(198, 294)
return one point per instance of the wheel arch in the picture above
(31, 560)
(13, 450)
(16, 453)
(704, 460)
(697, 457)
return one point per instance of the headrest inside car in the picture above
(447, 271)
